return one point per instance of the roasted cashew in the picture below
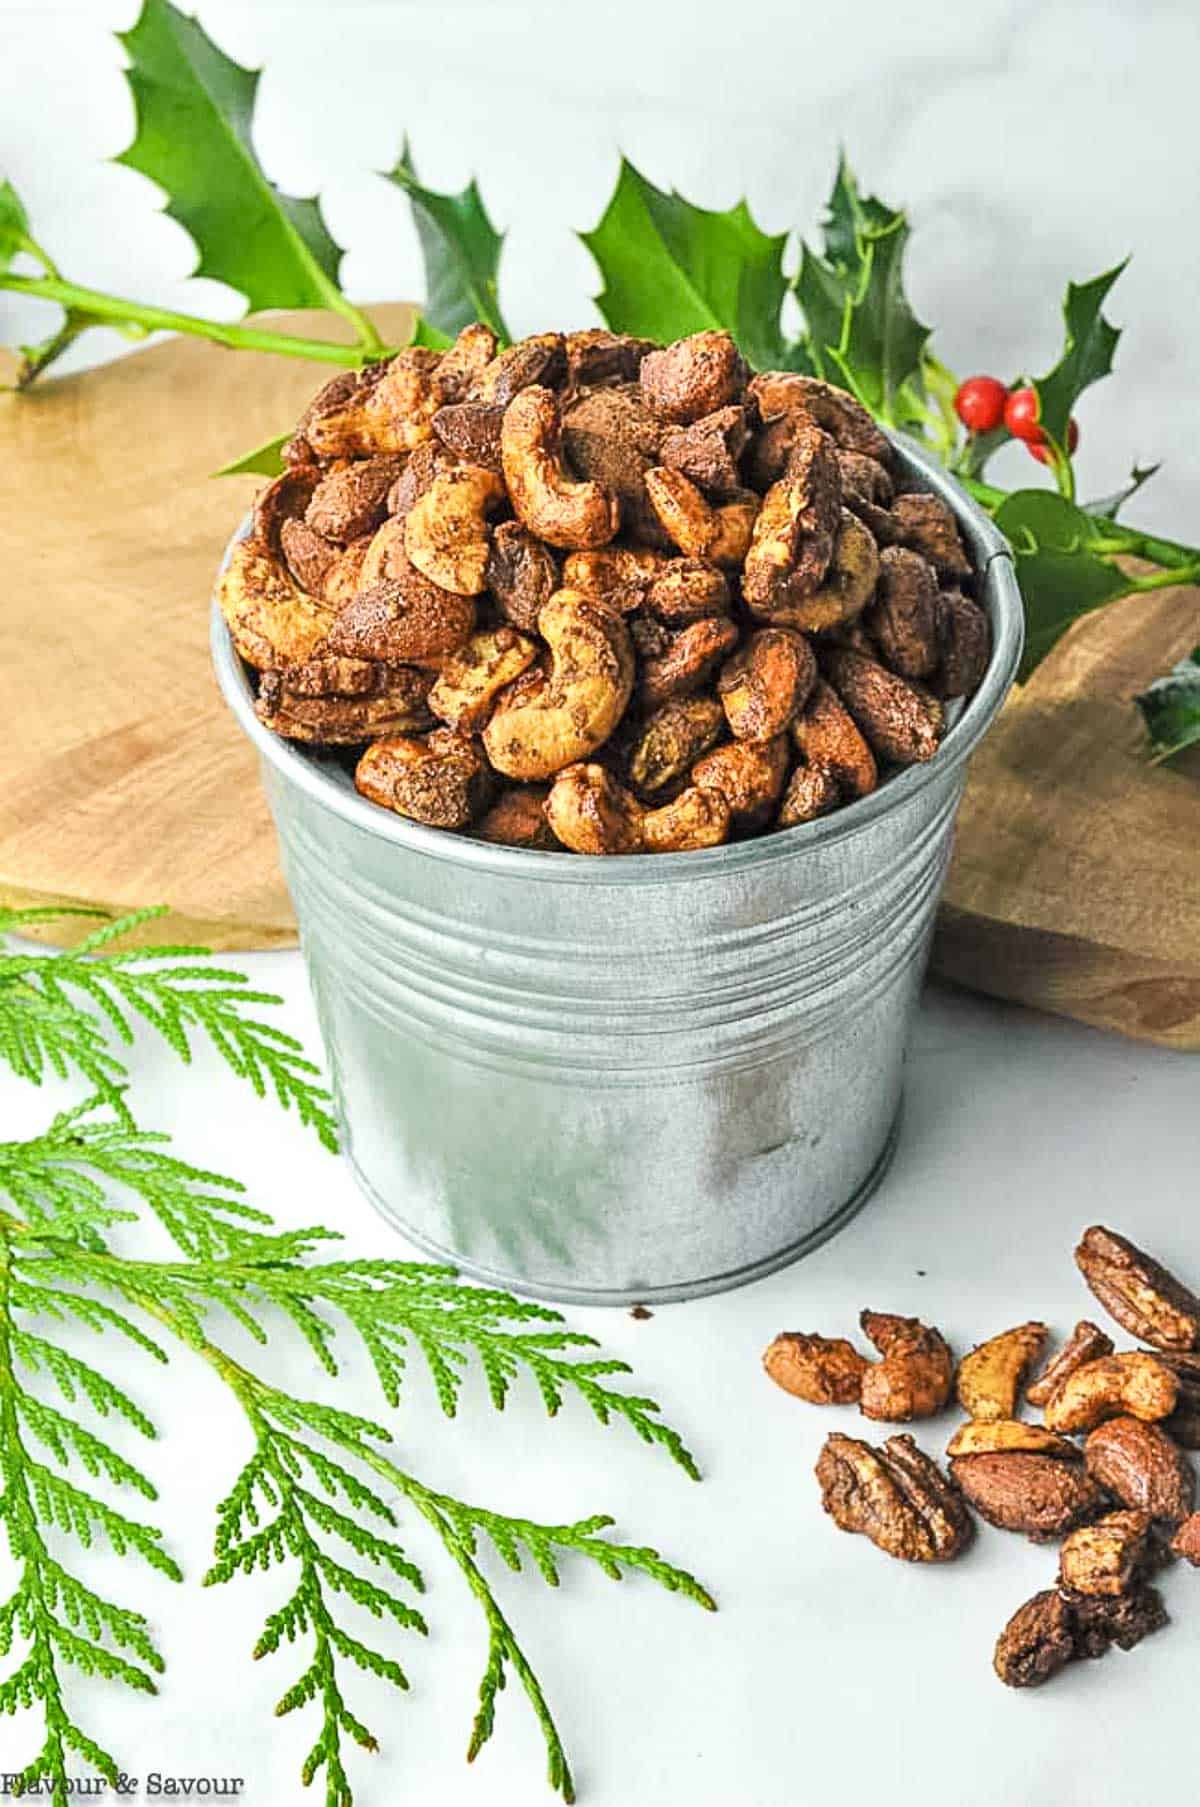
(398, 614)
(964, 645)
(707, 452)
(722, 533)
(848, 585)
(440, 779)
(272, 622)
(446, 531)
(812, 791)
(795, 531)
(518, 819)
(1086, 1343)
(611, 437)
(472, 678)
(591, 813)
(989, 1378)
(687, 589)
(522, 575)
(778, 393)
(901, 724)
(824, 1370)
(617, 575)
(915, 1376)
(597, 356)
(694, 376)
(671, 739)
(352, 500)
(537, 361)
(925, 524)
(464, 363)
(826, 735)
(1102, 1560)
(687, 660)
(994, 1436)
(539, 728)
(902, 620)
(546, 501)
(749, 774)
(766, 683)
(1131, 1383)
(387, 407)
(471, 431)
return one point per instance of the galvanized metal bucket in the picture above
(608, 1080)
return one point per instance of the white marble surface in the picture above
(1034, 140)
(829, 1671)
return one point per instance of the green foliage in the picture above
(14, 225)
(264, 461)
(1171, 708)
(461, 248)
(194, 108)
(670, 268)
(1063, 575)
(56, 1009)
(1089, 343)
(308, 1500)
(1107, 508)
(860, 330)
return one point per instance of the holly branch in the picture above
(668, 268)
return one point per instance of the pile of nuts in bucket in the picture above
(1122, 1502)
(596, 594)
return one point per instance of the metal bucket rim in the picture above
(1000, 590)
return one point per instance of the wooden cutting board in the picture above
(123, 781)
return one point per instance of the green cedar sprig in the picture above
(60, 1012)
(320, 1496)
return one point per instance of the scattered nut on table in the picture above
(657, 526)
(1106, 1475)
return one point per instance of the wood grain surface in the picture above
(123, 781)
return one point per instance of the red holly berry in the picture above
(1021, 416)
(979, 403)
(1038, 450)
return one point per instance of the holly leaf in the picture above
(1060, 568)
(849, 218)
(424, 334)
(879, 356)
(670, 268)
(14, 225)
(194, 109)
(264, 461)
(1171, 709)
(860, 330)
(461, 249)
(1090, 341)
(1108, 507)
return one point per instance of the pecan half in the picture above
(825, 1370)
(1140, 1465)
(1138, 1291)
(1059, 1626)
(895, 1496)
